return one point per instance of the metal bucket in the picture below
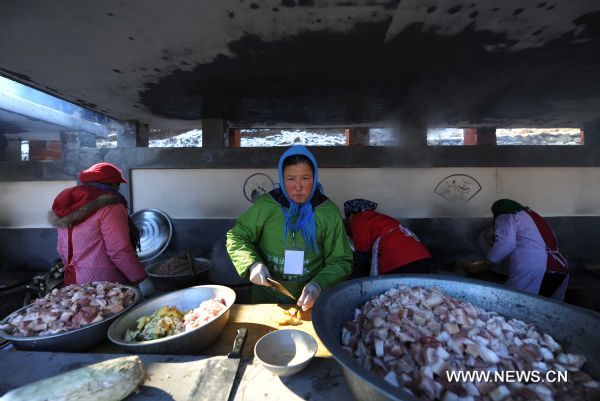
(576, 329)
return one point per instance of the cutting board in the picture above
(259, 319)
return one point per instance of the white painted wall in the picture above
(400, 192)
(25, 204)
(193, 194)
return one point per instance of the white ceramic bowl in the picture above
(285, 352)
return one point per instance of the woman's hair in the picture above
(297, 159)
(506, 206)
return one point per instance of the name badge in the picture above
(294, 262)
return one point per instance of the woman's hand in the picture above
(310, 293)
(259, 274)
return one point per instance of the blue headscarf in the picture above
(305, 221)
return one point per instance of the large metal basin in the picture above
(186, 343)
(70, 341)
(576, 329)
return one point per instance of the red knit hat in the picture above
(102, 172)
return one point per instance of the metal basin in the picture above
(170, 282)
(186, 343)
(70, 341)
(576, 329)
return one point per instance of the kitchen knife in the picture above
(216, 378)
(280, 288)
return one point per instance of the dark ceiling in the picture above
(504, 63)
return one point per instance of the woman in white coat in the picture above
(536, 266)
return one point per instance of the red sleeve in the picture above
(361, 233)
(115, 231)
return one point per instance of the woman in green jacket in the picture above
(294, 234)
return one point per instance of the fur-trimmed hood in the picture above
(75, 204)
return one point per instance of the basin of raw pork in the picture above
(69, 308)
(413, 336)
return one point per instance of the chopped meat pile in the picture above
(413, 336)
(69, 308)
(205, 312)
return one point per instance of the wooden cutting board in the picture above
(259, 319)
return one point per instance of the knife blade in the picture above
(215, 380)
(280, 288)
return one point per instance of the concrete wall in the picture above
(202, 190)
(26, 204)
(204, 203)
(34, 249)
(400, 192)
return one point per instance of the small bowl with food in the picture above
(178, 272)
(70, 319)
(285, 352)
(180, 322)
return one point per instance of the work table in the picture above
(259, 319)
(172, 377)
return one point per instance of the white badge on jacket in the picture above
(294, 262)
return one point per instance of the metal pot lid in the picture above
(156, 231)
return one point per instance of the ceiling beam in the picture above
(30, 109)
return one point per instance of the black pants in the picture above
(362, 266)
(550, 284)
(423, 266)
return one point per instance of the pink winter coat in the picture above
(102, 249)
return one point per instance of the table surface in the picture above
(172, 377)
(259, 319)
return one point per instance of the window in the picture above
(108, 142)
(24, 150)
(267, 137)
(38, 120)
(382, 137)
(538, 136)
(445, 137)
(503, 136)
(184, 138)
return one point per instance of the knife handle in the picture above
(236, 352)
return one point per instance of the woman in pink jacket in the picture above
(96, 236)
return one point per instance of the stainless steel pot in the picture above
(70, 341)
(576, 329)
(188, 342)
